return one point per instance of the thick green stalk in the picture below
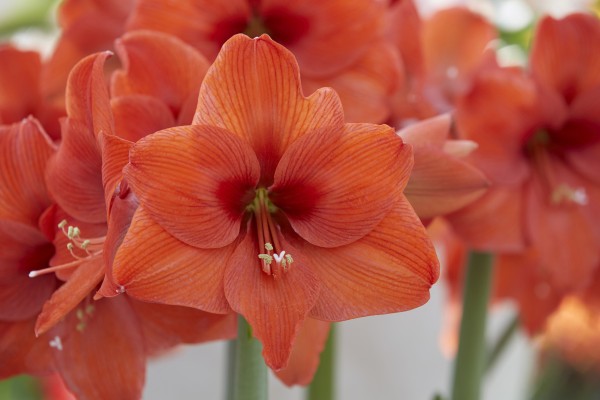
(322, 386)
(470, 360)
(250, 372)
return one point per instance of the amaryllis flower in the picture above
(337, 43)
(271, 206)
(440, 54)
(93, 211)
(538, 142)
(24, 150)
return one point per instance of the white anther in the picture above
(56, 343)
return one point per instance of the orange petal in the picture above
(87, 96)
(166, 326)
(431, 132)
(152, 265)
(253, 90)
(21, 352)
(455, 38)
(389, 270)
(325, 186)
(518, 277)
(103, 340)
(365, 86)
(22, 249)
(324, 36)
(19, 83)
(148, 57)
(500, 135)
(273, 306)
(304, 359)
(24, 152)
(494, 222)
(195, 182)
(115, 155)
(561, 56)
(205, 24)
(74, 175)
(80, 284)
(440, 184)
(563, 233)
(88, 26)
(137, 116)
(405, 31)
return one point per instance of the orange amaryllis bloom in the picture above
(440, 55)
(539, 143)
(85, 180)
(271, 206)
(337, 43)
(24, 150)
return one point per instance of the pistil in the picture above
(268, 237)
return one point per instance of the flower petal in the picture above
(273, 306)
(195, 181)
(253, 90)
(389, 270)
(21, 352)
(24, 153)
(103, 340)
(80, 284)
(561, 56)
(152, 265)
(324, 183)
(500, 135)
(494, 222)
(365, 86)
(306, 352)
(440, 184)
(165, 326)
(137, 116)
(150, 56)
(22, 249)
(19, 83)
(324, 36)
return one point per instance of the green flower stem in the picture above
(494, 352)
(470, 360)
(230, 368)
(322, 386)
(250, 371)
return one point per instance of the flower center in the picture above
(81, 249)
(273, 258)
(559, 193)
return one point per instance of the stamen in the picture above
(73, 264)
(56, 343)
(563, 193)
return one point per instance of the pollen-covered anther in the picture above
(564, 193)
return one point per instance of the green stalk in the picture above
(470, 360)
(250, 372)
(322, 386)
(494, 353)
